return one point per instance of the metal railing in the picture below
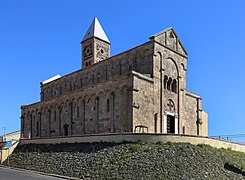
(237, 138)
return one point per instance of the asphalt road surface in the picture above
(10, 174)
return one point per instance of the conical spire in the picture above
(95, 30)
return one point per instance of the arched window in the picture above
(174, 86)
(169, 84)
(54, 91)
(51, 92)
(74, 84)
(70, 86)
(171, 35)
(37, 127)
(78, 111)
(48, 93)
(165, 81)
(86, 63)
(183, 66)
(60, 89)
(107, 105)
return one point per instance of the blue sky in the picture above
(41, 38)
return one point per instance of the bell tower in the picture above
(95, 45)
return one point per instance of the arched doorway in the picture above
(65, 127)
(170, 119)
(170, 124)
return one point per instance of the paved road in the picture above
(9, 174)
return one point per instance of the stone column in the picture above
(161, 94)
(83, 117)
(71, 111)
(199, 120)
(40, 124)
(179, 102)
(49, 123)
(165, 123)
(22, 118)
(31, 126)
(112, 104)
(97, 101)
(60, 111)
(129, 109)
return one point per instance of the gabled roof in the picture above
(169, 29)
(95, 30)
(163, 31)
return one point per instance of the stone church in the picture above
(139, 90)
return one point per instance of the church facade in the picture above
(140, 90)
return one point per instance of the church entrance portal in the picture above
(170, 124)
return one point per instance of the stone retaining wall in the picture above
(134, 137)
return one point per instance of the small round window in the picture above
(87, 51)
(101, 51)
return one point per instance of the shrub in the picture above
(160, 143)
(171, 143)
(205, 146)
(135, 147)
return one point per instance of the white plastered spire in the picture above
(95, 30)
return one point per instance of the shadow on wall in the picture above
(234, 169)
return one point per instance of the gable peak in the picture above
(169, 38)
